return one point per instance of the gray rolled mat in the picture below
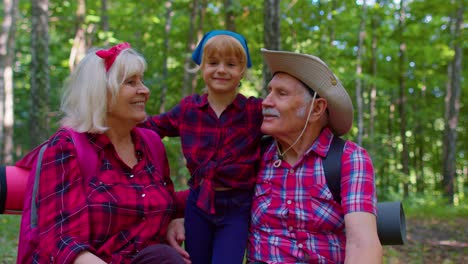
(391, 223)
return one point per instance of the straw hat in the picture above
(315, 73)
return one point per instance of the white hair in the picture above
(301, 112)
(89, 87)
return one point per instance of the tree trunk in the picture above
(39, 128)
(271, 34)
(360, 47)
(452, 107)
(201, 21)
(402, 99)
(373, 89)
(7, 40)
(167, 29)
(188, 63)
(78, 49)
(230, 15)
(105, 20)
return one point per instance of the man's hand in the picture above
(176, 236)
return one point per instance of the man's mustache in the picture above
(270, 112)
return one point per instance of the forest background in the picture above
(401, 61)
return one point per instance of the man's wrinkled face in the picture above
(286, 106)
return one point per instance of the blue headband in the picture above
(198, 52)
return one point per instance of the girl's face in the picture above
(222, 73)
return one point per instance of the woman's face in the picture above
(129, 106)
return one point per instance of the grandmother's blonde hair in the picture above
(88, 89)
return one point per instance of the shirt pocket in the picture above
(322, 210)
(261, 204)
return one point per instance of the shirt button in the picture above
(164, 183)
(131, 176)
(290, 228)
(300, 245)
(143, 195)
(143, 218)
(291, 171)
(289, 202)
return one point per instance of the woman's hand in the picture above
(176, 236)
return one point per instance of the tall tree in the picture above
(40, 71)
(167, 30)
(271, 32)
(375, 22)
(360, 47)
(230, 17)
(7, 39)
(79, 42)
(404, 158)
(188, 63)
(105, 20)
(452, 105)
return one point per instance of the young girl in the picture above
(220, 136)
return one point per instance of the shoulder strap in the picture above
(265, 142)
(332, 167)
(150, 137)
(87, 157)
(37, 174)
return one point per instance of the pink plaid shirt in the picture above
(114, 213)
(220, 151)
(294, 216)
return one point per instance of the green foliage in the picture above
(9, 229)
(434, 206)
(328, 29)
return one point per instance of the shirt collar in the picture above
(239, 102)
(101, 141)
(320, 146)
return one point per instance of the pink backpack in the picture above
(29, 167)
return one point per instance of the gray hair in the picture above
(89, 88)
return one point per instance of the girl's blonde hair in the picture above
(89, 87)
(224, 45)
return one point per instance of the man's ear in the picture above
(320, 106)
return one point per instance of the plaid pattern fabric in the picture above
(114, 213)
(220, 152)
(294, 216)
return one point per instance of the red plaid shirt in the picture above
(113, 213)
(294, 216)
(224, 151)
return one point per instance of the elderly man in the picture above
(294, 216)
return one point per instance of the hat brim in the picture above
(315, 73)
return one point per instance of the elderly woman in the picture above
(118, 213)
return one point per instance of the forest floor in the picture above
(441, 241)
(438, 240)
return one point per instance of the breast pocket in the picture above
(322, 209)
(261, 203)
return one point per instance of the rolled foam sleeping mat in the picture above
(13, 181)
(391, 223)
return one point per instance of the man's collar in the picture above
(320, 146)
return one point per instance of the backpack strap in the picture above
(87, 160)
(150, 137)
(332, 167)
(37, 174)
(86, 155)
